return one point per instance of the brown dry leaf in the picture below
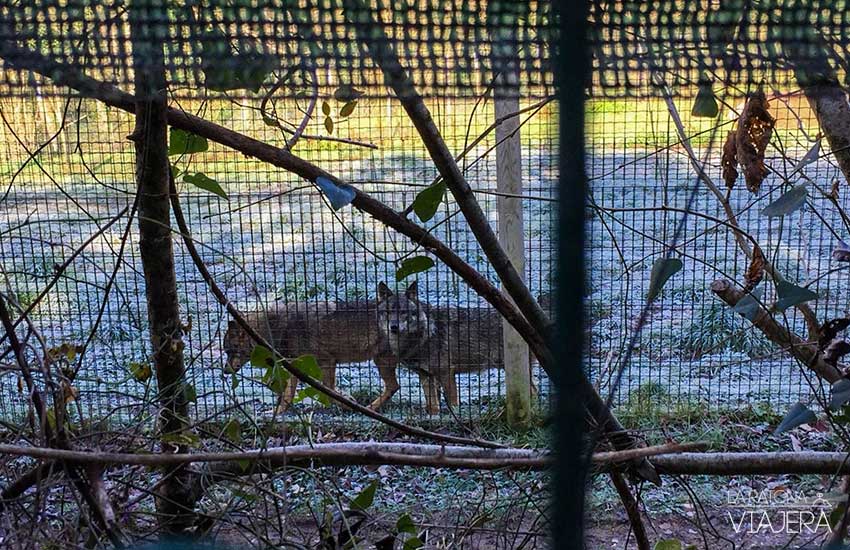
(754, 130)
(755, 273)
(729, 160)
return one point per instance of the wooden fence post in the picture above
(512, 239)
(175, 501)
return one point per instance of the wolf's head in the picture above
(402, 319)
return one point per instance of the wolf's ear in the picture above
(384, 291)
(412, 291)
(232, 324)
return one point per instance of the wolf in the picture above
(332, 331)
(439, 342)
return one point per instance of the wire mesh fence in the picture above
(272, 240)
(296, 77)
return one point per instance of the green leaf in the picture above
(405, 524)
(364, 500)
(234, 381)
(428, 200)
(705, 105)
(811, 156)
(840, 394)
(790, 294)
(668, 544)
(790, 201)
(413, 543)
(749, 307)
(262, 357)
(329, 125)
(244, 464)
(347, 109)
(326, 108)
(307, 364)
(347, 93)
(185, 437)
(233, 430)
(798, 414)
(181, 142)
(190, 393)
(206, 183)
(311, 393)
(413, 265)
(276, 378)
(662, 270)
(141, 371)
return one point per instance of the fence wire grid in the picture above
(298, 76)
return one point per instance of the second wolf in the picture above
(438, 342)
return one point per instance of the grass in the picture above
(651, 410)
(716, 329)
(381, 122)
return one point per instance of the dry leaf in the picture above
(729, 160)
(835, 350)
(754, 130)
(830, 329)
(755, 273)
(69, 392)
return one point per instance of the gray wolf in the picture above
(333, 332)
(438, 342)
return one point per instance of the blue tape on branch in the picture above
(338, 195)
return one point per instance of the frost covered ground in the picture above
(293, 247)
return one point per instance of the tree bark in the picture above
(175, 504)
(829, 102)
(733, 464)
(805, 352)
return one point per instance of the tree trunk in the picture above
(175, 504)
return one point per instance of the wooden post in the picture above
(512, 239)
(175, 501)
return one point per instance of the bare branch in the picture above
(805, 352)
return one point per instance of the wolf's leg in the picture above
(285, 399)
(388, 375)
(432, 393)
(449, 383)
(329, 374)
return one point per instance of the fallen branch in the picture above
(325, 454)
(349, 454)
(613, 457)
(103, 516)
(805, 352)
(730, 464)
